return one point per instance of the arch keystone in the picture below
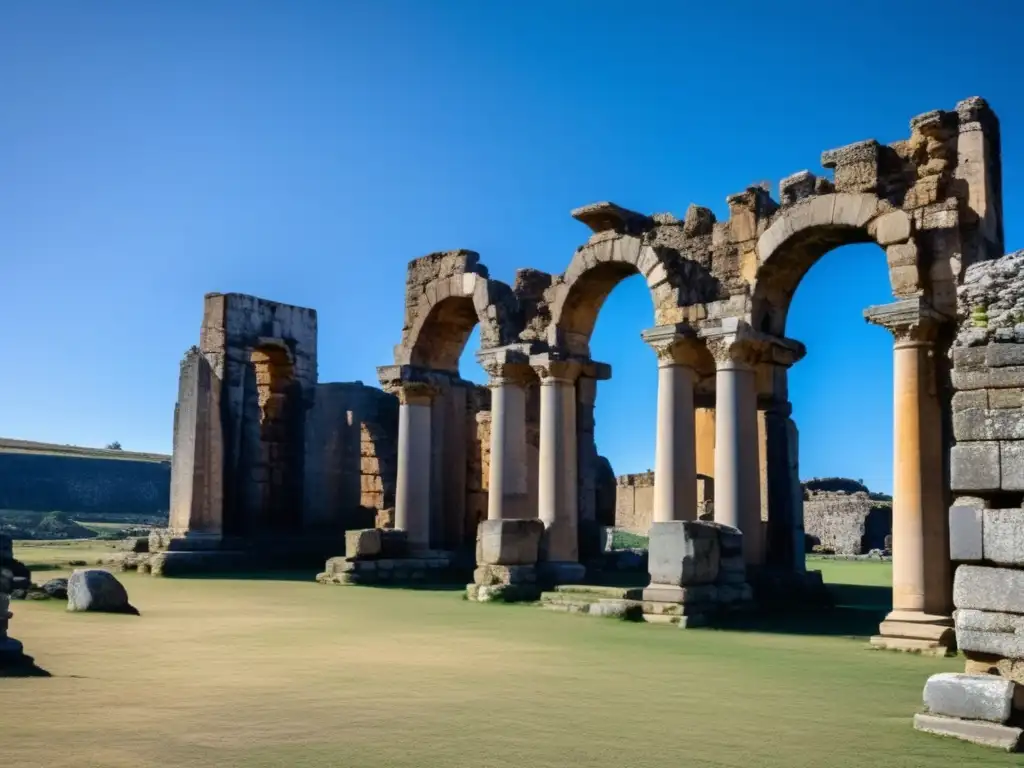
(853, 210)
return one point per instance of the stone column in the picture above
(508, 491)
(557, 475)
(10, 649)
(412, 488)
(922, 581)
(675, 454)
(737, 471)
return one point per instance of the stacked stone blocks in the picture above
(506, 557)
(697, 572)
(377, 556)
(10, 649)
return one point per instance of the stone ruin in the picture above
(986, 520)
(10, 649)
(248, 470)
(842, 517)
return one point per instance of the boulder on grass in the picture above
(96, 590)
(56, 588)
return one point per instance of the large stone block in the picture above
(965, 534)
(974, 697)
(683, 553)
(1003, 534)
(363, 544)
(999, 424)
(703, 595)
(976, 731)
(974, 466)
(508, 542)
(972, 399)
(1003, 355)
(505, 574)
(1011, 465)
(989, 589)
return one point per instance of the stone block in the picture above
(1004, 398)
(363, 544)
(892, 227)
(965, 534)
(974, 697)
(1001, 424)
(683, 553)
(974, 466)
(1003, 355)
(505, 574)
(670, 593)
(989, 589)
(617, 609)
(969, 358)
(393, 543)
(1004, 536)
(1001, 378)
(976, 731)
(508, 542)
(975, 398)
(1011, 465)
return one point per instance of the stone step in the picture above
(614, 593)
(660, 618)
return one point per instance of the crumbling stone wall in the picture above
(846, 523)
(634, 502)
(987, 460)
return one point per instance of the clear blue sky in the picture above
(305, 151)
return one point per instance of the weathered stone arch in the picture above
(447, 294)
(801, 233)
(596, 268)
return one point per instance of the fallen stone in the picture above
(96, 590)
(989, 589)
(976, 731)
(618, 609)
(973, 697)
(487, 575)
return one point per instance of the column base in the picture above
(554, 573)
(915, 632)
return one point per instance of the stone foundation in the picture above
(375, 557)
(506, 556)
(697, 572)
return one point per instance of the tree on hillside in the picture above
(114, 446)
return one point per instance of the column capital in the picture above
(506, 366)
(416, 393)
(912, 322)
(734, 343)
(677, 344)
(555, 369)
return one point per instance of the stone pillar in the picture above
(557, 475)
(922, 577)
(737, 472)
(197, 464)
(508, 491)
(784, 545)
(675, 455)
(412, 489)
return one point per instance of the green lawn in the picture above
(278, 672)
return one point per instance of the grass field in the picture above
(279, 672)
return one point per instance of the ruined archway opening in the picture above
(587, 297)
(274, 472)
(623, 420)
(444, 335)
(842, 391)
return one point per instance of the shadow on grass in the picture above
(857, 612)
(24, 667)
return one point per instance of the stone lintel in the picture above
(605, 216)
(592, 369)
(734, 339)
(908, 319)
(555, 367)
(507, 365)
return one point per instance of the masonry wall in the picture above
(847, 523)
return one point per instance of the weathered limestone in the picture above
(675, 462)
(921, 573)
(508, 493)
(557, 487)
(506, 556)
(412, 489)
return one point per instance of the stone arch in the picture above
(443, 309)
(596, 268)
(802, 233)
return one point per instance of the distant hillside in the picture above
(43, 477)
